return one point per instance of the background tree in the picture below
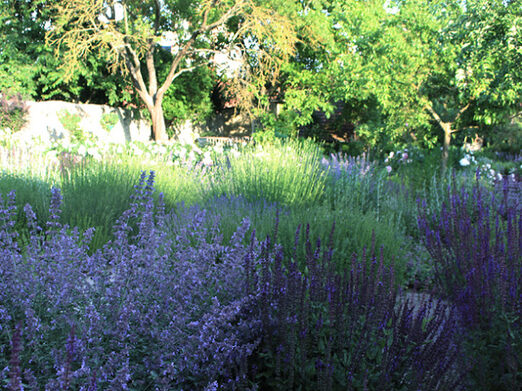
(30, 67)
(371, 64)
(409, 68)
(473, 79)
(127, 34)
(21, 32)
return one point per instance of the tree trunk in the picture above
(445, 147)
(159, 130)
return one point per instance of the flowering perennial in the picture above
(166, 305)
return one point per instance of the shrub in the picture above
(71, 123)
(146, 311)
(13, 111)
(287, 172)
(475, 243)
(108, 120)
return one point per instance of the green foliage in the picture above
(276, 127)
(18, 34)
(287, 172)
(493, 352)
(507, 137)
(406, 73)
(416, 171)
(30, 67)
(108, 120)
(12, 111)
(71, 123)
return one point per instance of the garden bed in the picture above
(268, 266)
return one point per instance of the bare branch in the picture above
(462, 110)
(174, 66)
(180, 72)
(226, 16)
(133, 63)
(434, 114)
(203, 28)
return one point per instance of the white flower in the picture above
(207, 160)
(82, 150)
(389, 169)
(392, 154)
(464, 162)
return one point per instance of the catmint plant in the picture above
(148, 310)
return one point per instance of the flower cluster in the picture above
(467, 160)
(492, 171)
(330, 329)
(401, 157)
(474, 241)
(340, 165)
(191, 156)
(149, 310)
(166, 305)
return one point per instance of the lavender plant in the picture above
(476, 246)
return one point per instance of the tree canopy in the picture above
(405, 69)
(410, 67)
(127, 33)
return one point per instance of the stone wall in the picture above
(43, 121)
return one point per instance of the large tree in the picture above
(128, 33)
(474, 77)
(405, 65)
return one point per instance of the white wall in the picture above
(43, 122)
